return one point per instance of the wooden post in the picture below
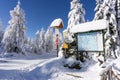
(57, 50)
(57, 39)
(57, 42)
(57, 24)
(103, 33)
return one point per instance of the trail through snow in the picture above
(46, 67)
(43, 67)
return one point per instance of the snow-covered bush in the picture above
(60, 54)
(72, 63)
(15, 34)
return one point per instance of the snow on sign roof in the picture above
(57, 23)
(90, 26)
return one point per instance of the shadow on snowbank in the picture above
(55, 69)
(52, 69)
(30, 56)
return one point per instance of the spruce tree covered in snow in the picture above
(1, 32)
(49, 40)
(76, 14)
(37, 41)
(111, 35)
(118, 16)
(40, 40)
(30, 46)
(99, 10)
(107, 10)
(15, 33)
(33, 46)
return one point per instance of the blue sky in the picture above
(40, 13)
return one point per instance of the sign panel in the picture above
(92, 41)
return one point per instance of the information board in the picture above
(90, 41)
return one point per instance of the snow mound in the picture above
(116, 66)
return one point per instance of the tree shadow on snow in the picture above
(32, 57)
(45, 71)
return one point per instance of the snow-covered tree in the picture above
(1, 31)
(15, 33)
(111, 34)
(40, 40)
(106, 9)
(98, 10)
(118, 16)
(30, 46)
(49, 40)
(76, 14)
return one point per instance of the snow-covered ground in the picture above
(46, 67)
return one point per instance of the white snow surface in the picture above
(116, 67)
(90, 26)
(46, 67)
(56, 22)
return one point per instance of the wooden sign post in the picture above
(57, 24)
(57, 39)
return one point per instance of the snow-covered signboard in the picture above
(90, 36)
(91, 41)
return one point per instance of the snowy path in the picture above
(18, 64)
(45, 67)
(22, 63)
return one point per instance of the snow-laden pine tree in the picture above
(111, 35)
(15, 33)
(98, 10)
(107, 11)
(76, 14)
(49, 40)
(1, 32)
(37, 41)
(118, 16)
(40, 40)
(30, 46)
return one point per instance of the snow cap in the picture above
(19, 2)
(58, 23)
(90, 26)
